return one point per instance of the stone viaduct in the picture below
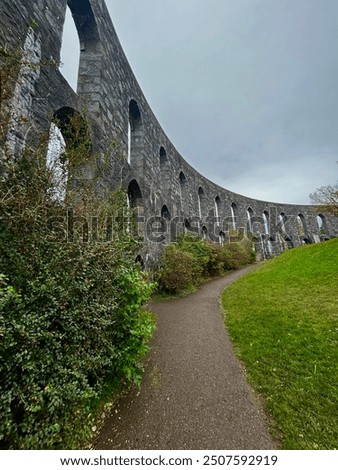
(168, 194)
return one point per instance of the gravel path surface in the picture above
(194, 394)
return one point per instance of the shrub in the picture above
(177, 270)
(70, 315)
(241, 254)
(200, 251)
(219, 261)
(71, 318)
(192, 260)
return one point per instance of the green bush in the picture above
(191, 260)
(71, 316)
(200, 251)
(177, 271)
(220, 261)
(56, 358)
(241, 254)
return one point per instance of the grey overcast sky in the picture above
(246, 90)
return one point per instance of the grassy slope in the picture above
(282, 319)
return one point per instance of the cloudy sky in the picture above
(247, 90)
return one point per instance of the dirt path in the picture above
(194, 394)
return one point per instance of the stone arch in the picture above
(135, 132)
(201, 202)
(234, 215)
(250, 214)
(165, 174)
(182, 178)
(86, 25)
(165, 213)
(218, 207)
(70, 57)
(184, 196)
(186, 225)
(322, 225)
(135, 196)
(270, 242)
(68, 131)
(221, 238)
(164, 160)
(266, 222)
(282, 221)
(302, 227)
(89, 49)
(73, 126)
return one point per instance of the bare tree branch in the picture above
(326, 199)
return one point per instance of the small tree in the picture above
(326, 199)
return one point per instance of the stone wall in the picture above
(168, 194)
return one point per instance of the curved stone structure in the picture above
(171, 196)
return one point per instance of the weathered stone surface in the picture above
(114, 102)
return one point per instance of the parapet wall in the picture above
(160, 183)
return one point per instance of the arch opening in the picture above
(234, 213)
(70, 56)
(73, 126)
(201, 202)
(266, 222)
(186, 226)
(139, 260)
(183, 178)
(134, 115)
(135, 132)
(221, 238)
(68, 140)
(322, 226)
(163, 158)
(134, 195)
(85, 24)
(270, 246)
(165, 213)
(183, 191)
(79, 23)
(282, 221)
(250, 215)
(302, 229)
(218, 204)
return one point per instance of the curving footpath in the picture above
(194, 394)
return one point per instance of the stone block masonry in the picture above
(169, 195)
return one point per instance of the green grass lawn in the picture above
(282, 319)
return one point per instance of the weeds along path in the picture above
(194, 394)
